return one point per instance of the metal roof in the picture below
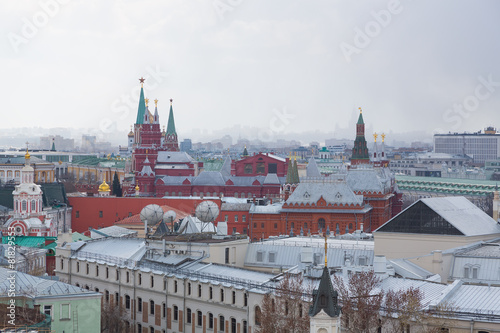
(333, 193)
(174, 157)
(463, 215)
(33, 286)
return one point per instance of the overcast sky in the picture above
(276, 67)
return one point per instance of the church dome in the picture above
(104, 187)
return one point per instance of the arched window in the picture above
(258, 316)
(233, 325)
(188, 315)
(210, 321)
(321, 223)
(127, 302)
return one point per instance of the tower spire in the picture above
(141, 110)
(171, 135)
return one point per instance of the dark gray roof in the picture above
(332, 192)
(226, 206)
(209, 178)
(312, 169)
(367, 180)
(174, 157)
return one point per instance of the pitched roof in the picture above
(442, 215)
(325, 297)
(333, 193)
(33, 286)
(312, 169)
(173, 157)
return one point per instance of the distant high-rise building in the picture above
(57, 142)
(480, 146)
(186, 145)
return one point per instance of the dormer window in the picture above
(338, 196)
(306, 195)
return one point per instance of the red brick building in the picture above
(260, 164)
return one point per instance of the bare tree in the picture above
(361, 301)
(287, 310)
(112, 317)
(404, 309)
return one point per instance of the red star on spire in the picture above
(141, 80)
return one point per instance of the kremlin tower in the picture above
(146, 140)
(360, 151)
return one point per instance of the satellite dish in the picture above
(207, 211)
(169, 216)
(151, 214)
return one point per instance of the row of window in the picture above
(243, 218)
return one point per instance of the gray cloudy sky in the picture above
(276, 67)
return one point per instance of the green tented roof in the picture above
(29, 241)
(141, 109)
(360, 119)
(171, 122)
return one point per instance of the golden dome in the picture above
(104, 187)
(27, 155)
(137, 187)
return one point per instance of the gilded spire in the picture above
(147, 101)
(383, 137)
(360, 110)
(326, 246)
(156, 102)
(375, 135)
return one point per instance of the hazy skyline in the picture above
(275, 67)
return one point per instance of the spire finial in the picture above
(156, 102)
(147, 101)
(141, 80)
(326, 246)
(360, 110)
(383, 137)
(375, 135)
(171, 100)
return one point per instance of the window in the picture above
(127, 302)
(96, 270)
(321, 223)
(151, 329)
(226, 218)
(140, 278)
(117, 298)
(243, 218)
(210, 321)
(260, 168)
(475, 271)
(235, 218)
(88, 269)
(65, 311)
(139, 304)
(62, 265)
(272, 168)
(139, 328)
(176, 313)
(164, 284)
(24, 205)
(106, 295)
(199, 318)
(245, 299)
(233, 325)
(189, 288)
(276, 226)
(260, 256)
(272, 256)
(210, 293)
(107, 273)
(151, 307)
(258, 315)
(221, 323)
(466, 272)
(199, 290)
(117, 275)
(188, 315)
(152, 281)
(222, 295)
(100, 213)
(248, 168)
(234, 297)
(47, 309)
(78, 267)
(127, 276)
(164, 310)
(305, 226)
(255, 225)
(245, 326)
(175, 286)
(226, 255)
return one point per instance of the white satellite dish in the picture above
(207, 211)
(151, 214)
(169, 216)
